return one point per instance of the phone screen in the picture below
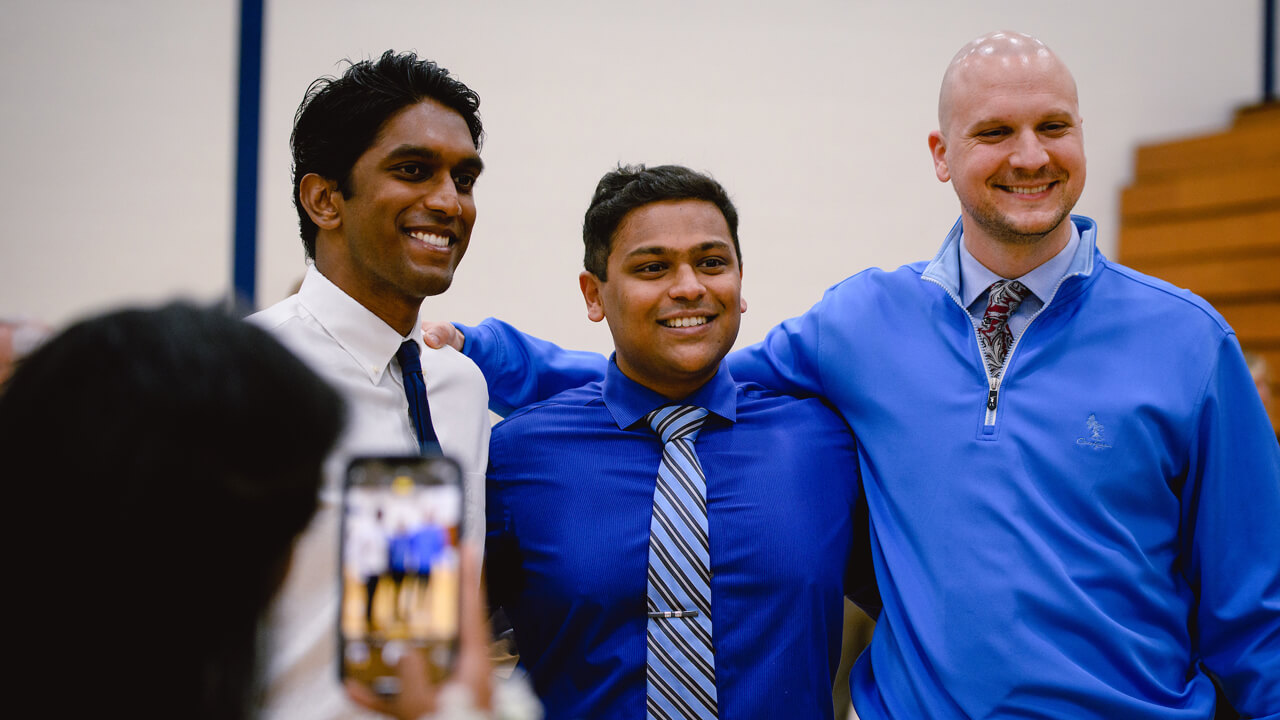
(401, 522)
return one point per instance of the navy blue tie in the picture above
(416, 391)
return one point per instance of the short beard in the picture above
(999, 229)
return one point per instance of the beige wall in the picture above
(118, 131)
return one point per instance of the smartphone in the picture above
(401, 522)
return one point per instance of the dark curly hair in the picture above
(339, 118)
(632, 186)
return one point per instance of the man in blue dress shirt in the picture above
(572, 479)
(1073, 489)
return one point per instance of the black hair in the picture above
(340, 118)
(163, 462)
(632, 186)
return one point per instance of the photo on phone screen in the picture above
(401, 523)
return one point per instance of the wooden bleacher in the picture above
(1204, 214)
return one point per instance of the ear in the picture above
(322, 200)
(938, 148)
(590, 285)
(742, 299)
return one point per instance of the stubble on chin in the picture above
(1001, 229)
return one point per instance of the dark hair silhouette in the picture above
(161, 463)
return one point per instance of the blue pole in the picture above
(1268, 50)
(248, 121)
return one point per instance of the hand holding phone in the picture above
(472, 671)
(400, 582)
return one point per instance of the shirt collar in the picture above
(369, 340)
(975, 277)
(628, 401)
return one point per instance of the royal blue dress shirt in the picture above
(570, 496)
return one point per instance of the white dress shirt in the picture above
(355, 351)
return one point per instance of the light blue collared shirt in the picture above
(976, 279)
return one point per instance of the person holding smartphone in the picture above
(161, 515)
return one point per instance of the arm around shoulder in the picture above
(790, 358)
(522, 369)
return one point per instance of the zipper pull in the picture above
(991, 399)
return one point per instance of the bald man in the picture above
(1073, 489)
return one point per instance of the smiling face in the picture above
(674, 295)
(398, 235)
(1011, 143)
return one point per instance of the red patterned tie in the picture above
(997, 338)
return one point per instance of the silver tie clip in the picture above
(674, 614)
